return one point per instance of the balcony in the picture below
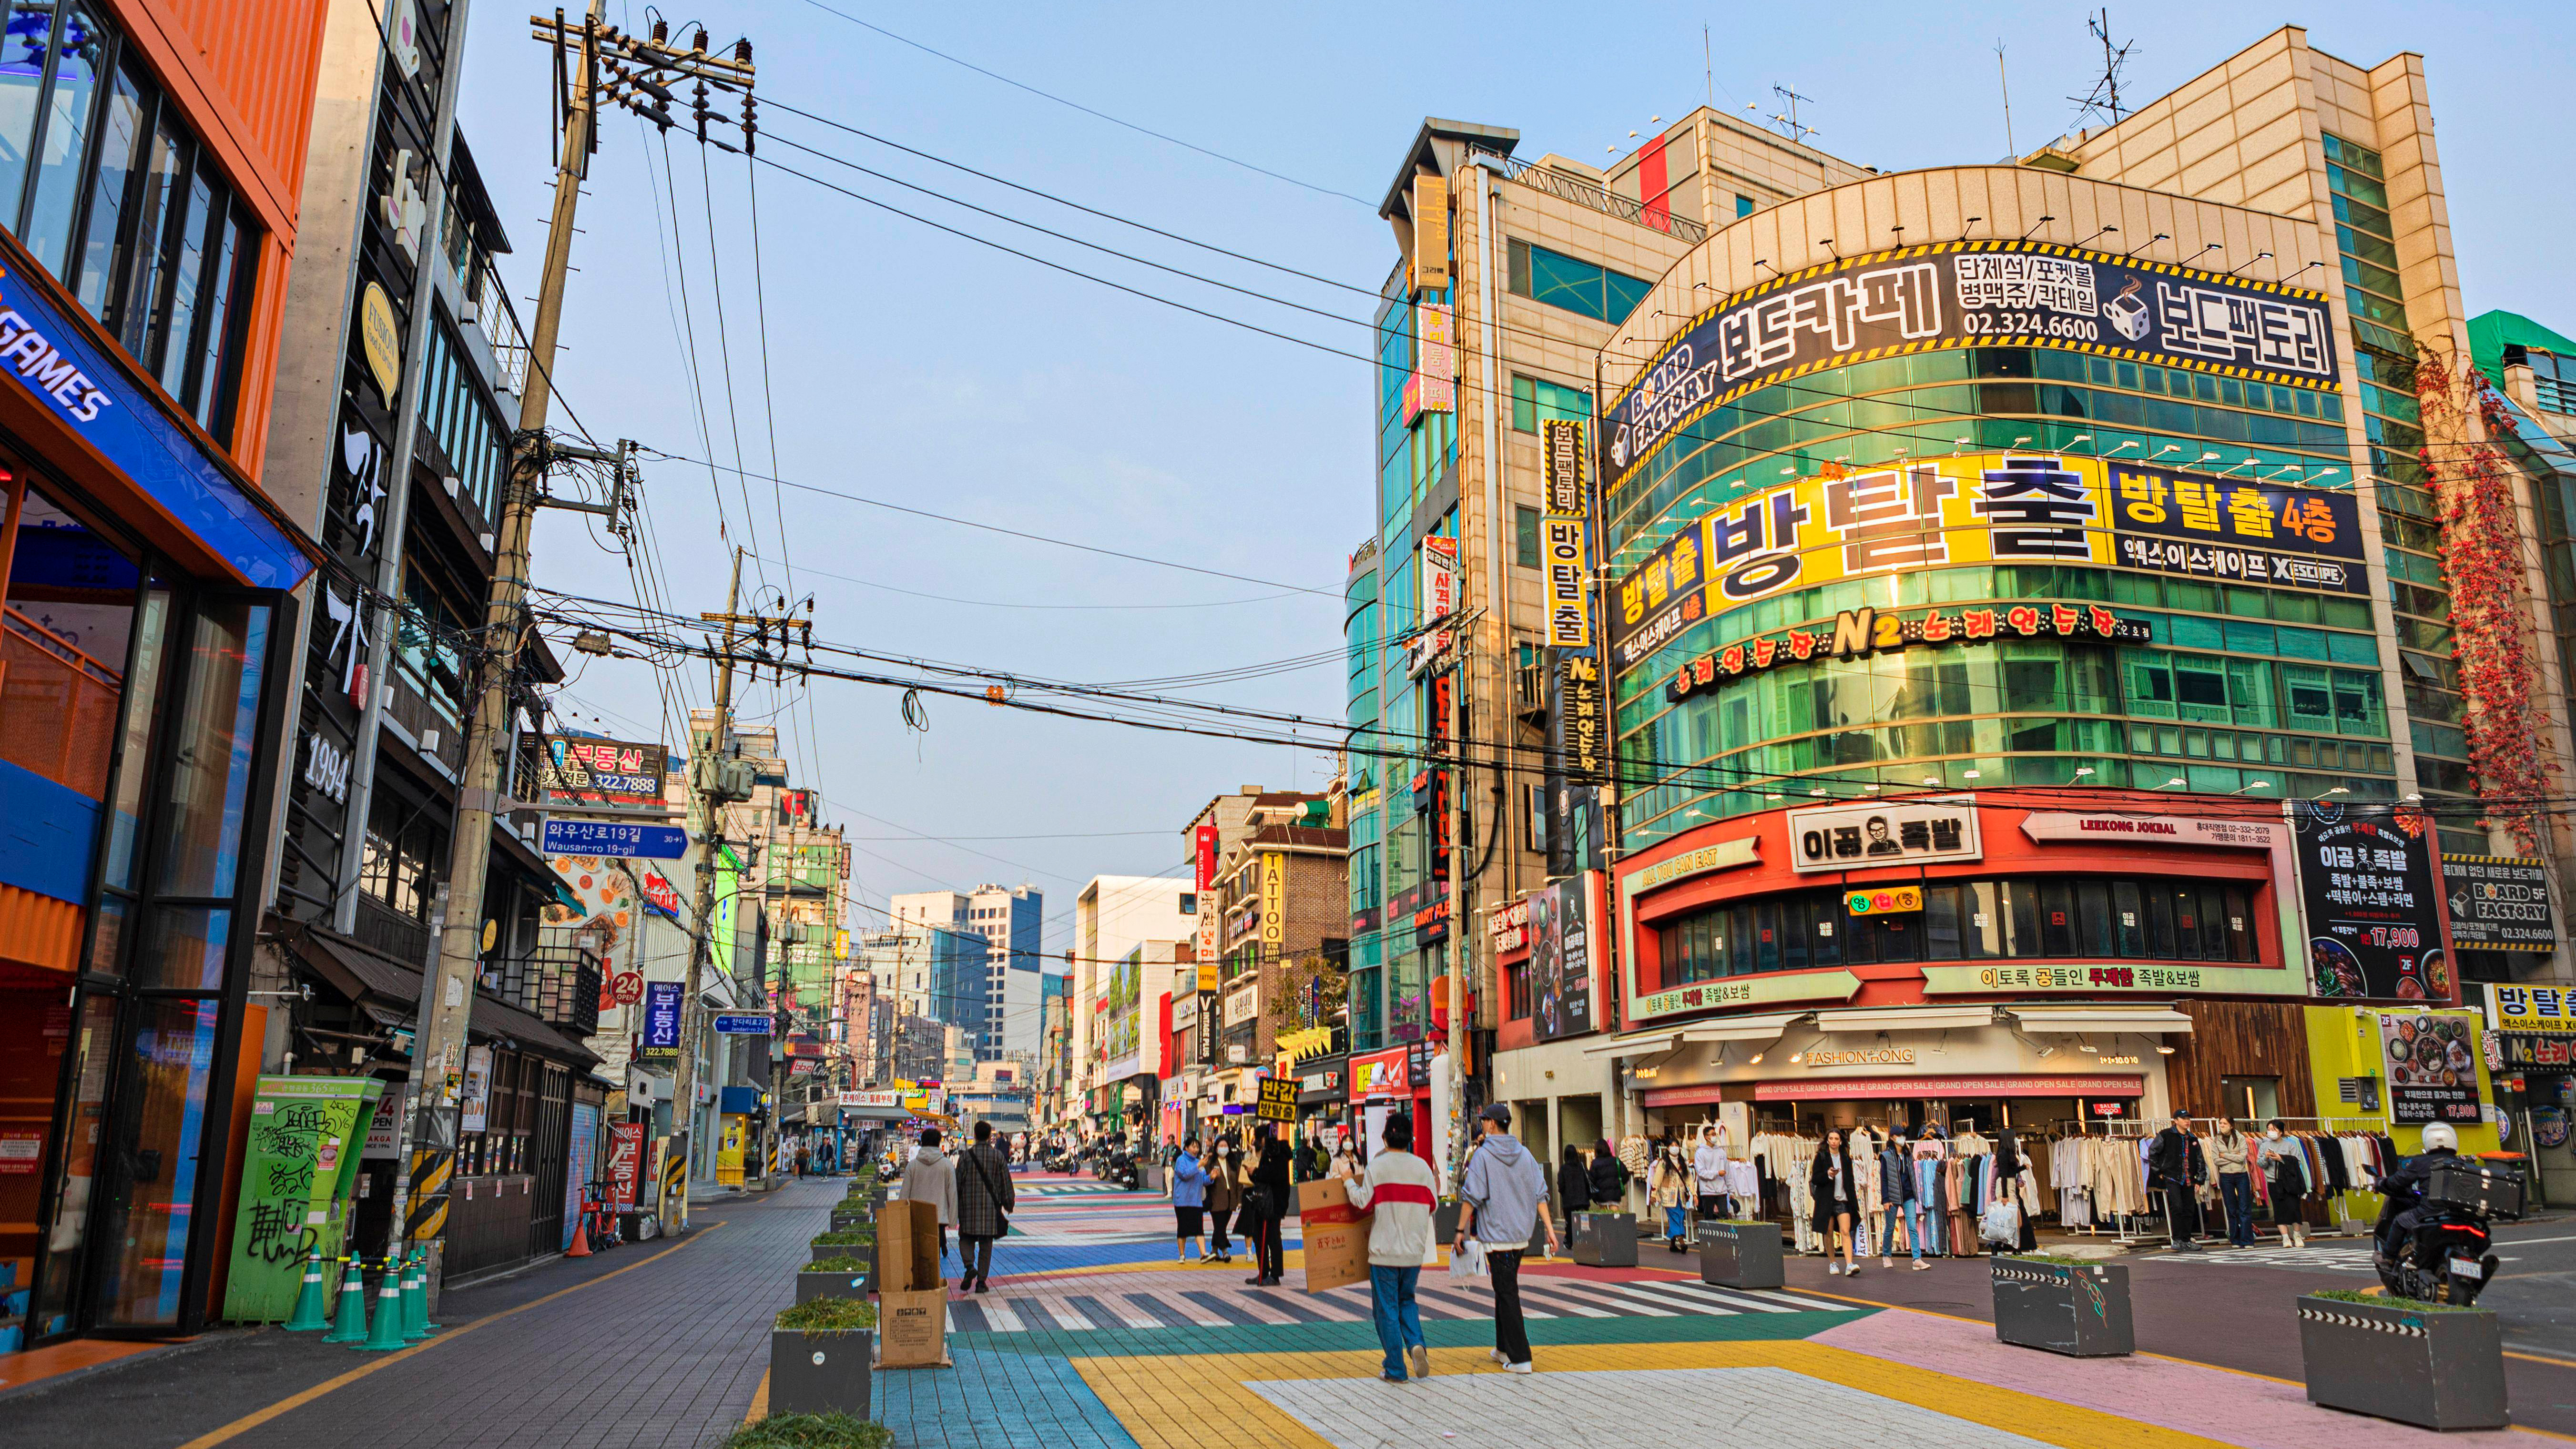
(558, 985)
(1582, 193)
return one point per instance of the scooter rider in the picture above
(2405, 1187)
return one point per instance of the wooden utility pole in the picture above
(599, 65)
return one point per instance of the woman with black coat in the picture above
(1266, 1208)
(1608, 1176)
(1573, 1185)
(1895, 1193)
(1835, 1193)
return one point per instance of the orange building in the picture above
(151, 157)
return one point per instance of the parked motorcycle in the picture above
(2432, 1242)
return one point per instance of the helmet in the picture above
(2438, 1136)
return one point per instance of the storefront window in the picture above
(2043, 918)
(210, 782)
(152, 1178)
(79, 60)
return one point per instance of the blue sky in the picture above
(909, 365)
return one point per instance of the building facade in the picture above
(1113, 916)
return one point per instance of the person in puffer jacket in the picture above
(1896, 1191)
(1401, 1190)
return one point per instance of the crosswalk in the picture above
(1438, 1298)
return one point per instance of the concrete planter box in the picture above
(1739, 1255)
(843, 1221)
(835, 1250)
(811, 1285)
(1149, 1177)
(2396, 1360)
(2062, 1307)
(1605, 1240)
(820, 1373)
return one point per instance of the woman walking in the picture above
(1836, 1195)
(2229, 1150)
(1668, 1185)
(1573, 1185)
(1895, 1195)
(1224, 1194)
(1189, 1198)
(1265, 1208)
(2285, 1173)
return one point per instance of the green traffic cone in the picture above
(386, 1331)
(415, 1298)
(308, 1299)
(351, 1326)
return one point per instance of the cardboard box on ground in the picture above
(912, 1299)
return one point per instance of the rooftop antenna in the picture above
(1708, 68)
(2005, 79)
(2105, 99)
(1787, 120)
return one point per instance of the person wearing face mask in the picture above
(2285, 1172)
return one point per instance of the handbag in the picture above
(985, 1174)
(1467, 1262)
(2002, 1223)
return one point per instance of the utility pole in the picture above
(598, 65)
(717, 779)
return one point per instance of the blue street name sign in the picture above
(747, 1025)
(608, 837)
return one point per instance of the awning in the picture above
(1906, 1018)
(2103, 1017)
(1765, 1027)
(1637, 1043)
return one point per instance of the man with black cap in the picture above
(1504, 1206)
(2176, 1168)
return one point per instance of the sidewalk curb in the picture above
(208, 1339)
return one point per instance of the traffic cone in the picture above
(386, 1332)
(351, 1326)
(308, 1299)
(419, 1323)
(580, 1240)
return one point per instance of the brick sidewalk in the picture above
(665, 1356)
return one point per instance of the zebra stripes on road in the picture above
(1438, 1297)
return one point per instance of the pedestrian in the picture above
(1668, 1185)
(930, 1177)
(2285, 1174)
(1835, 1194)
(1609, 1184)
(2228, 1151)
(1573, 1184)
(1895, 1191)
(2177, 1169)
(985, 1198)
(1401, 1190)
(804, 1156)
(1503, 1204)
(1189, 1197)
(1266, 1205)
(1708, 1169)
(1346, 1161)
(1224, 1194)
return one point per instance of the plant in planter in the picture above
(2063, 1304)
(847, 1275)
(1740, 1253)
(1605, 1238)
(860, 1241)
(818, 1357)
(2396, 1358)
(811, 1431)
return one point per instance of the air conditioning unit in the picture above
(429, 741)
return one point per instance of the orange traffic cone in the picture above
(580, 1240)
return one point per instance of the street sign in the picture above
(614, 838)
(1279, 1100)
(729, 1024)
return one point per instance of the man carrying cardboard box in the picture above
(1399, 1192)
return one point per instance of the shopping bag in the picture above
(1467, 1261)
(1335, 1236)
(2001, 1225)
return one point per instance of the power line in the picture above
(1000, 604)
(1087, 110)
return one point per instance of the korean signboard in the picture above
(2499, 903)
(1930, 830)
(2366, 877)
(1278, 1100)
(662, 1019)
(1274, 903)
(1564, 559)
(1564, 455)
(1859, 633)
(1577, 719)
(1509, 929)
(1439, 578)
(610, 838)
(2432, 1065)
(2020, 294)
(1433, 387)
(1987, 508)
(2536, 1024)
(1562, 933)
(625, 1159)
(574, 771)
(1203, 850)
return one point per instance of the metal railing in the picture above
(558, 985)
(1583, 193)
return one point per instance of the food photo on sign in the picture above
(2432, 1072)
(2366, 878)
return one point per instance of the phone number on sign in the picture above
(2030, 324)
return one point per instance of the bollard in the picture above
(386, 1332)
(351, 1326)
(308, 1299)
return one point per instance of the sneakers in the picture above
(1833, 1270)
(1887, 1262)
(1496, 1355)
(1921, 1267)
(1390, 1378)
(1852, 1272)
(1419, 1358)
(1516, 1368)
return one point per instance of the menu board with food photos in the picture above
(2374, 928)
(2432, 1067)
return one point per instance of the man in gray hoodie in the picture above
(1505, 1197)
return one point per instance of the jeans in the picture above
(2239, 1194)
(1399, 1320)
(975, 1258)
(1923, 1221)
(1895, 1232)
(1511, 1335)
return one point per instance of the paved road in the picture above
(2236, 1308)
